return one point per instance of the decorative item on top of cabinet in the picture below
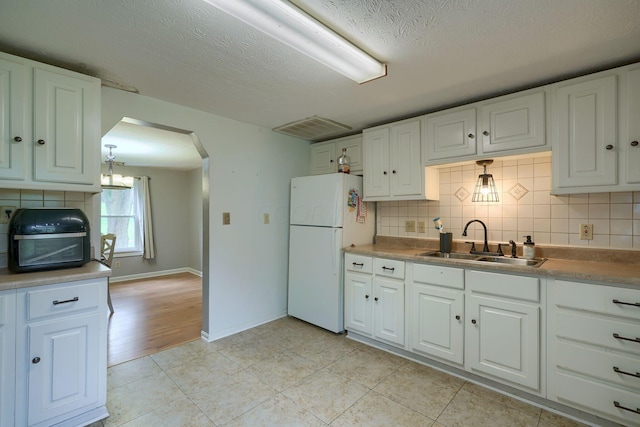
(594, 349)
(50, 141)
(324, 155)
(392, 164)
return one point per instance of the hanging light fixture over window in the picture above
(485, 190)
(113, 181)
(285, 22)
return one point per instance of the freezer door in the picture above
(315, 276)
(318, 200)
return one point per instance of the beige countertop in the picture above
(594, 271)
(91, 270)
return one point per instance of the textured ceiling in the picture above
(439, 52)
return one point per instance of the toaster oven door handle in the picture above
(48, 236)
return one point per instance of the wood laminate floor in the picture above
(152, 315)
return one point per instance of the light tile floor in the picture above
(289, 373)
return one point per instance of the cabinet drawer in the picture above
(598, 298)
(363, 264)
(593, 396)
(389, 268)
(57, 300)
(599, 364)
(438, 275)
(598, 331)
(506, 285)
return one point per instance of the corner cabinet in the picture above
(392, 166)
(50, 127)
(61, 350)
(324, 155)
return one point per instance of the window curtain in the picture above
(143, 205)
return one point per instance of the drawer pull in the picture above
(74, 299)
(618, 405)
(634, 304)
(619, 337)
(631, 374)
(358, 264)
(389, 268)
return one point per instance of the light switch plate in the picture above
(421, 227)
(586, 231)
(410, 226)
(226, 218)
(266, 218)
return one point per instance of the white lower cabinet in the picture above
(7, 357)
(61, 362)
(594, 349)
(374, 298)
(437, 312)
(503, 327)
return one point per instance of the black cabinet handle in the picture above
(40, 142)
(634, 304)
(384, 173)
(74, 299)
(485, 133)
(17, 139)
(634, 143)
(388, 268)
(358, 264)
(474, 321)
(393, 171)
(609, 147)
(457, 317)
(35, 360)
(619, 406)
(631, 374)
(620, 337)
(375, 299)
(366, 297)
(470, 135)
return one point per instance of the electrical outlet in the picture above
(410, 226)
(116, 264)
(265, 218)
(6, 212)
(586, 231)
(421, 227)
(226, 218)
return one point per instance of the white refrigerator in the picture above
(327, 214)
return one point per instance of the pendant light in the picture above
(113, 181)
(485, 190)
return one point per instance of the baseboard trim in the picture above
(155, 274)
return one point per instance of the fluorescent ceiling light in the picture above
(285, 22)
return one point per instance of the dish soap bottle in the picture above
(529, 248)
(343, 162)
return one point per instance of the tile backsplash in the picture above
(38, 199)
(526, 207)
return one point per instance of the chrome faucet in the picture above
(486, 243)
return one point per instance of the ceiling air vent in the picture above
(312, 128)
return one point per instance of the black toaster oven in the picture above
(47, 239)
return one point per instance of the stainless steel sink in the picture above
(536, 262)
(452, 255)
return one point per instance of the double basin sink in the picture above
(536, 262)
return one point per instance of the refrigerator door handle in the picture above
(337, 253)
(338, 209)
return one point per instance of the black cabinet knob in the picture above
(17, 139)
(485, 133)
(471, 135)
(473, 321)
(609, 147)
(375, 299)
(40, 142)
(634, 143)
(366, 297)
(457, 317)
(35, 360)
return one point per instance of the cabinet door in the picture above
(388, 310)
(358, 310)
(405, 162)
(450, 135)
(375, 150)
(323, 159)
(633, 127)
(512, 124)
(12, 120)
(63, 372)
(503, 339)
(437, 322)
(66, 116)
(354, 151)
(7, 357)
(585, 152)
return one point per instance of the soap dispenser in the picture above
(529, 248)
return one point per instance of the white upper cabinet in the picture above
(585, 140)
(12, 120)
(392, 164)
(50, 127)
(508, 125)
(324, 155)
(450, 134)
(513, 123)
(632, 143)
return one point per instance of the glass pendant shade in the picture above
(485, 190)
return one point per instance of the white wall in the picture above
(194, 221)
(174, 219)
(250, 168)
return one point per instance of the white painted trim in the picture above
(230, 331)
(155, 274)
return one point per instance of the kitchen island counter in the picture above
(91, 270)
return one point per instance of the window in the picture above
(119, 215)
